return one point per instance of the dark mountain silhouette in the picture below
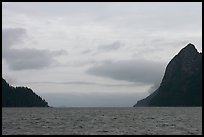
(182, 81)
(20, 97)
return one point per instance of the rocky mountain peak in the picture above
(186, 61)
(182, 81)
(189, 47)
(188, 51)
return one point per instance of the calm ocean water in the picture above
(99, 121)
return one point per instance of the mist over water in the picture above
(102, 121)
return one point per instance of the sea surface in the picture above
(102, 121)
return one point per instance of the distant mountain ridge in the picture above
(20, 97)
(182, 81)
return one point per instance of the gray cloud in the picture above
(88, 83)
(29, 59)
(12, 36)
(140, 71)
(114, 46)
(20, 59)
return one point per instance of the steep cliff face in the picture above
(20, 97)
(182, 81)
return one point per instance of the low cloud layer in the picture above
(89, 83)
(24, 58)
(139, 71)
(154, 87)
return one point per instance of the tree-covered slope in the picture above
(20, 97)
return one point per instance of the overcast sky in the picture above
(95, 54)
